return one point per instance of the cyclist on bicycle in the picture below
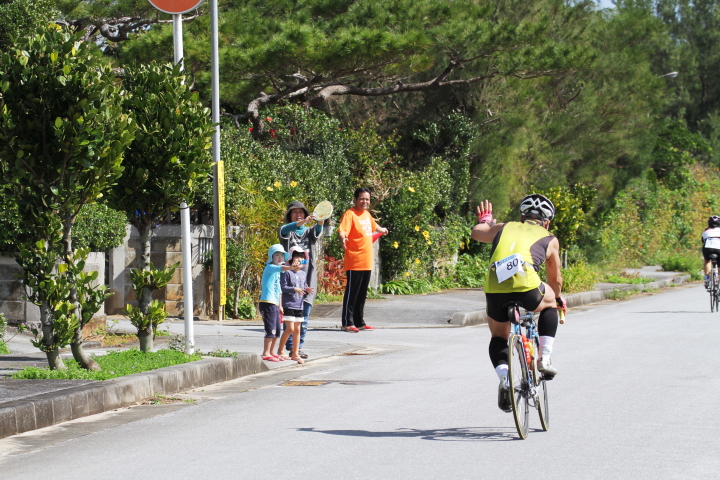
(711, 244)
(518, 250)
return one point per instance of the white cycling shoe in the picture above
(504, 396)
(547, 369)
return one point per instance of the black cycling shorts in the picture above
(496, 303)
(709, 251)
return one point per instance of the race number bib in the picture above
(509, 266)
(712, 242)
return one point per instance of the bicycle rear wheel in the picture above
(518, 378)
(714, 300)
(541, 391)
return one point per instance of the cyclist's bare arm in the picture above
(487, 229)
(552, 266)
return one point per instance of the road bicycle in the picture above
(713, 287)
(528, 387)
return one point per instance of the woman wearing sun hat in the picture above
(293, 233)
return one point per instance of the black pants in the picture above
(354, 298)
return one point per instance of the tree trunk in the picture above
(79, 354)
(82, 358)
(53, 355)
(146, 244)
(54, 360)
(146, 340)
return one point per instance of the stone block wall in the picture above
(166, 251)
(16, 310)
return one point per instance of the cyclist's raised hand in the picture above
(484, 212)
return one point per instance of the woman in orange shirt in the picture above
(356, 230)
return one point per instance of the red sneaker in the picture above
(350, 329)
(367, 327)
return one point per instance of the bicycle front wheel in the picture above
(542, 402)
(541, 392)
(519, 388)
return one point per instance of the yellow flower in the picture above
(426, 234)
(431, 227)
(269, 189)
(429, 242)
(293, 184)
(277, 184)
(407, 274)
(411, 189)
(396, 244)
(417, 260)
(417, 229)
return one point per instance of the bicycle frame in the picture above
(528, 388)
(527, 323)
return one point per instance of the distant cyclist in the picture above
(518, 251)
(711, 244)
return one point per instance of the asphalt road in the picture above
(634, 399)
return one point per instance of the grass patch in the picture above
(4, 348)
(114, 364)
(682, 263)
(325, 298)
(408, 286)
(221, 353)
(625, 278)
(580, 277)
(617, 294)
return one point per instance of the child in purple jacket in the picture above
(294, 288)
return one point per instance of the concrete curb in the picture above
(479, 317)
(56, 407)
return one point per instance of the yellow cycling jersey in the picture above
(521, 248)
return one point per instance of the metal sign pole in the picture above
(178, 40)
(185, 217)
(187, 277)
(218, 223)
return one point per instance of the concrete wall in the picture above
(17, 310)
(166, 251)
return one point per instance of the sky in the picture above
(606, 4)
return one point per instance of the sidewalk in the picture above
(30, 404)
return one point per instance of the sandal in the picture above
(298, 359)
(270, 358)
(281, 358)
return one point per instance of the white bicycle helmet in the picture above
(538, 206)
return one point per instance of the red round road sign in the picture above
(175, 6)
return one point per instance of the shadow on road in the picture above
(668, 311)
(16, 358)
(444, 434)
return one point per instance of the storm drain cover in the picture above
(309, 383)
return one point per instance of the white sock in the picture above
(546, 346)
(502, 371)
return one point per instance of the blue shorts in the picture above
(271, 319)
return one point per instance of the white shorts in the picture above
(292, 319)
